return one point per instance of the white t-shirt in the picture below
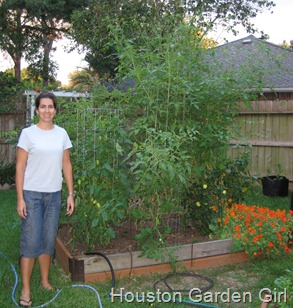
(43, 172)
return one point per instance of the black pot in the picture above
(275, 186)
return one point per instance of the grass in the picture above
(256, 197)
(250, 276)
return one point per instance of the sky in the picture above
(278, 25)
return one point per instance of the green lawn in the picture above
(250, 276)
(256, 197)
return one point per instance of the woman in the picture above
(43, 153)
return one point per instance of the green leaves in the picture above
(101, 179)
(159, 163)
(224, 184)
(170, 142)
(285, 283)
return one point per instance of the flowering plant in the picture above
(282, 283)
(260, 231)
(218, 188)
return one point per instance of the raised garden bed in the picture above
(125, 257)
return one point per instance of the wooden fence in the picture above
(266, 129)
(9, 122)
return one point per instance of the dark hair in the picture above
(46, 95)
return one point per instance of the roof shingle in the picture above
(273, 63)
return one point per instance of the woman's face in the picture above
(46, 110)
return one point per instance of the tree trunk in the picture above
(18, 47)
(17, 67)
(48, 44)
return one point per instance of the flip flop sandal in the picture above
(24, 303)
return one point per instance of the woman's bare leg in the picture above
(44, 262)
(26, 269)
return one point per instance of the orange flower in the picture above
(237, 228)
(287, 249)
(253, 223)
(279, 236)
(252, 231)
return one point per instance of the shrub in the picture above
(282, 283)
(10, 91)
(7, 173)
(216, 189)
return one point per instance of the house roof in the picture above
(273, 62)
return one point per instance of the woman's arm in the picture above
(21, 159)
(67, 171)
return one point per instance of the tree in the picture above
(83, 80)
(94, 27)
(208, 14)
(285, 44)
(29, 28)
(53, 20)
(136, 18)
(13, 38)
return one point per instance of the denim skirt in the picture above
(39, 229)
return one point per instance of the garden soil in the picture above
(124, 241)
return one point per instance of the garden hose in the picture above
(186, 302)
(165, 280)
(109, 263)
(56, 295)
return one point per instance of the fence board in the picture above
(267, 126)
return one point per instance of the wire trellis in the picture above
(87, 128)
